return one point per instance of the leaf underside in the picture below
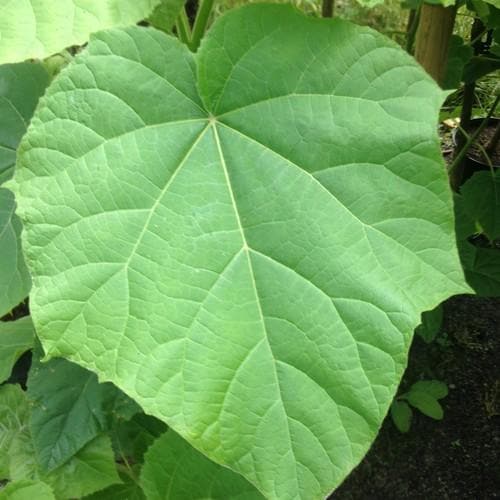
(242, 240)
(37, 29)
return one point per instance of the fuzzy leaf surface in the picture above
(242, 240)
(35, 29)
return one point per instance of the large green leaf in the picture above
(16, 337)
(15, 281)
(70, 408)
(37, 29)
(249, 265)
(174, 470)
(21, 85)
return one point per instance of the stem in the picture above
(200, 23)
(327, 8)
(471, 138)
(458, 172)
(183, 29)
(411, 29)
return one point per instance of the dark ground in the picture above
(458, 457)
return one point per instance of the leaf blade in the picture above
(226, 222)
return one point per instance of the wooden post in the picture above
(433, 38)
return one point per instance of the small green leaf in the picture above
(174, 470)
(16, 337)
(481, 200)
(67, 398)
(401, 415)
(30, 29)
(431, 323)
(426, 403)
(434, 388)
(165, 14)
(27, 490)
(481, 264)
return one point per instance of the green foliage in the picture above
(228, 246)
(431, 323)
(401, 415)
(13, 417)
(165, 14)
(476, 210)
(21, 85)
(15, 281)
(172, 467)
(16, 337)
(32, 29)
(27, 490)
(481, 201)
(131, 438)
(128, 489)
(423, 395)
(459, 55)
(370, 3)
(90, 469)
(65, 397)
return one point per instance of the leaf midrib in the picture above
(246, 249)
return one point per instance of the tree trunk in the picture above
(433, 38)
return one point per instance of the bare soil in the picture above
(458, 457)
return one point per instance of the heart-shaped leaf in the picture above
(242, 240)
